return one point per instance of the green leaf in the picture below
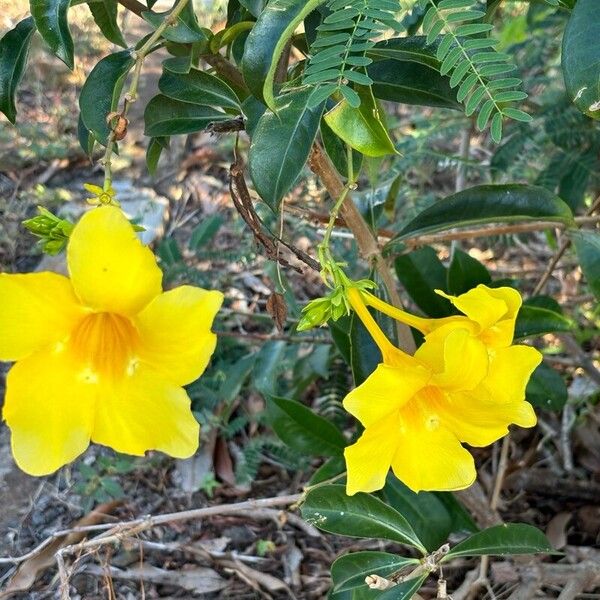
(304, 431)
(198, 87)
(85, 138)
(349, 571)
(362, 515)
(581, 57)
(514, 538)
(281, 144)
(587, 244)
(488, 204)
(421, 272)
(105, 16)
(336, 150)
(407, 49)
(185, 31)
(165, 116)
(364, 353)
(361, 128)
(205, 231)
(426, 514)
(50, 18)
(329, 469)
(264, 46)
(546, 388)
(465, 273)
(14, 49)
(153, 152)
(268, 365)
(101, 91)
(411, 83)
(404, 590)
(534, 320)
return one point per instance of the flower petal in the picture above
(386, 390)
(494, 309)
(368, 460)
(145, 411)
(37, 309)
(49, 409)
(478, 421)
(175, 335)
(509, 372)
(432, 459)
(111, 270)
(459, 360)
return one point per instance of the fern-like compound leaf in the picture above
(472, 63)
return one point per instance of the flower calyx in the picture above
(101, 196)
(52, 230)
(334, 305)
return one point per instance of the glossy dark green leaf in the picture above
(253, 110)
(364, 353)
(105, 16)
(101, 91)
(85, 137)
(488, 204)
(587, 244)
(514, 538)
(581, 57)
(281, 144)
(50, 18)
(178, 64)
(185, 31)
(264, 46)
(361, 128)
(304, 431)
(165, 116)
(332, 467)
(461, 518)
(349, 571)
(405, 590)
(533, 320)
(408, 82)
(421, 272)
(254, 7)
(153, 154)
(198, 87)
(329, 508)
(14, 49)
(426, 514)
(465, 273)
(546, 388)
(407, 49)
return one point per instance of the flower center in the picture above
(105, 343)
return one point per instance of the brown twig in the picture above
(243, 204)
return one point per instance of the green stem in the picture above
(330, 266)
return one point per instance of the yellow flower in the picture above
(490, 314)
(102, 356)
(418, 410)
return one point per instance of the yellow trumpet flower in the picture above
(418, 410)
(489, 314)
(102, 356)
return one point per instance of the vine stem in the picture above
(131, 95)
